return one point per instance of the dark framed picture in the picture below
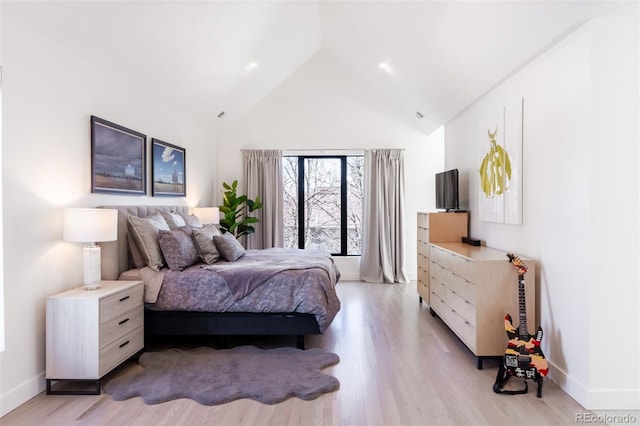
(168, 169)
(118, 158)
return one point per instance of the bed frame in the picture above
(115, 260)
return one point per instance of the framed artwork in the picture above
(118, 159)
(168, 169)
(500, 164)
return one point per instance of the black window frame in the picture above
(343, 199)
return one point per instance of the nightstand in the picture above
(89, 333)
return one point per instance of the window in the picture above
(330, 215)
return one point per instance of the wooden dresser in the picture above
(432, 228)
(472, 288)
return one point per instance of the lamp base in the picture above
(92, 274)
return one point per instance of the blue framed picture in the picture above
(168, 171)
(118, 159)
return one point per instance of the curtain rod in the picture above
(322, 151)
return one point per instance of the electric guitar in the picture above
(523, 357)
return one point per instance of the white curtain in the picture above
(263, 178)
(383, 243)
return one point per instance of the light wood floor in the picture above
(398, 366)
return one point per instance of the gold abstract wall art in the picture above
(495, 170)
(500, 163)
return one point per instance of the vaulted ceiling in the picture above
(205, 57)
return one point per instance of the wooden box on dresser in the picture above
(472, 288)
(89, 333)
(436, 227)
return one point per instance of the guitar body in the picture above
(523, 357)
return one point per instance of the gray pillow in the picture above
(203, 239)
(230, 249)
(178, 248)
(144, 232)
(135, 257)
(191, 220)
(174, 220)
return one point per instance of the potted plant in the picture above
(236, 210)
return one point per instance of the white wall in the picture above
(323, 106)
(49, 94)
(580, 212)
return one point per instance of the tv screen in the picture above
(447, 190)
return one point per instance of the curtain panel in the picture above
(263, 178)
(383, 243)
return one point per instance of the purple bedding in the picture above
(269, 280)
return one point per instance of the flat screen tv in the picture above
(447, 190)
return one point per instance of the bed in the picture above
(262, 292)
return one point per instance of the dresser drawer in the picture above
(118, 351)
(465, 288)
(423, 248)
(461, 265)
(438, 305)
(423, 221)
(461, 306)
(463, 329)
(423, 235)
(120, 326)
(119, 303)
(437, 286)
(437, 271)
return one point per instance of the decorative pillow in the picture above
(230, 249)
(191, 220)
(178, 248)
(135, 257)
(203, 239)
(174, 220)
(144, 232)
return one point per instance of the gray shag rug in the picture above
(216, 376)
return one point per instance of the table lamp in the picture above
(91, 226)
(207, 214)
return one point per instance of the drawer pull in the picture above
(123, 321)
(124, 344)
(125, 298)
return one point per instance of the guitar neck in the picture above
(522, 304)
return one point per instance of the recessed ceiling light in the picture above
(252, 66)
(385, 67)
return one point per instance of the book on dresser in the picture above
(469, 287)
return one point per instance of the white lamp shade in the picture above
(90, 225)
(207, 214)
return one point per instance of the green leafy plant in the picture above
(237, 209)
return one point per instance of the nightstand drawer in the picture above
(120, 326)
(118, 351)
(119, 303)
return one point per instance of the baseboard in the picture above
(594, 399)
(574, 388)
(350, 276)
(22, 393)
